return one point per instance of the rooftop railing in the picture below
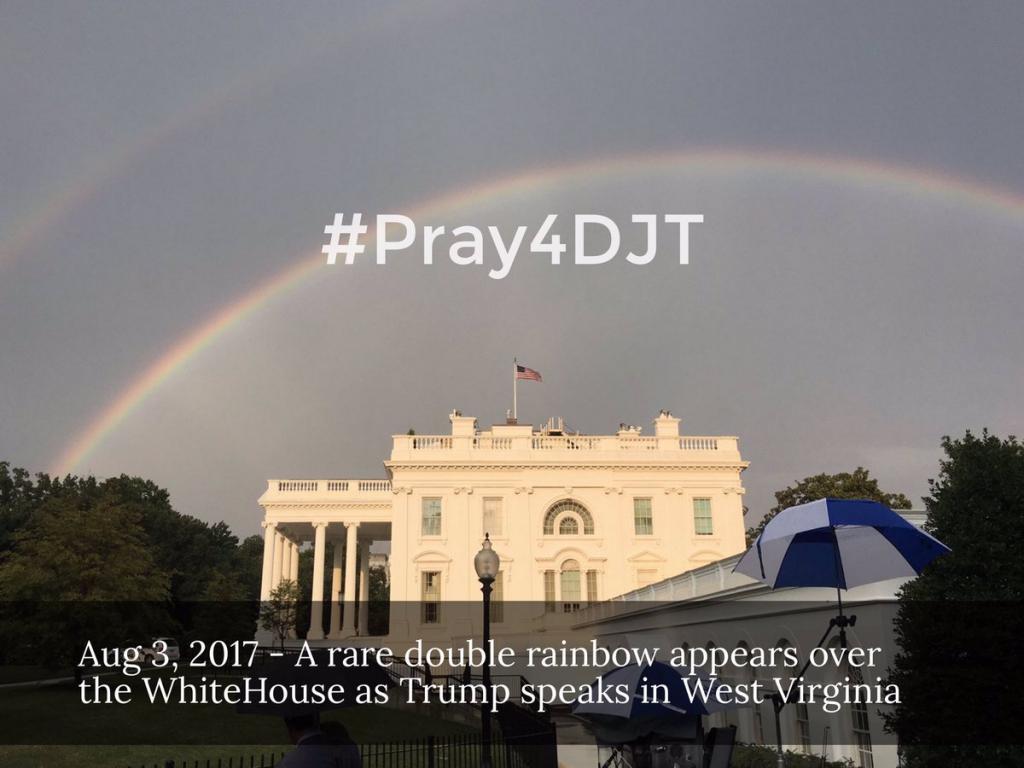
(330, 486)
(547, 444)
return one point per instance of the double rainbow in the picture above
(841, 171)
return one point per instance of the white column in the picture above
(269, 540)
(335, 630)
(286, 559)
(293, 571)
(351, 534)
(275, 578)
(288, 562)
(364, 588)
(316, 612)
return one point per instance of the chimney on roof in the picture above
(462, 426)
(666, 425)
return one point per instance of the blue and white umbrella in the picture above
(839, 543)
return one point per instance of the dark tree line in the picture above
(113, 561)
(843, 485)
(960, 623)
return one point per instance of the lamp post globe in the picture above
(487, 561)
(486, 564)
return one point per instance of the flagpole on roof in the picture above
(515, 382)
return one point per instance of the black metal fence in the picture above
(262, 760)
(462, 752)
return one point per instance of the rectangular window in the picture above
(492, 517)
(497, 599)
(592, 586)
(759, 724)
(570, 591)
(702, 523)
(803, 727)
(431, 517)
(643, 517)
(759, 720)
(861, 726)
(549, 591)
(430, 597)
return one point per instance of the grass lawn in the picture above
(21, 674)
(35, 714)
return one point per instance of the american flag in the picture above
(527, 374)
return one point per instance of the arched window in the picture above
(564, 510)
(571, 595)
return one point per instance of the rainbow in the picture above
(851, 172)
(76, 192)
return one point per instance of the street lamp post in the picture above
(486, 564)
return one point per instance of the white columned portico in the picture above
(335, 628)
(351, 540)
(316, 612)
(293, 571)
(269, 540)
(364, 588)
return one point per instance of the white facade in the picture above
(574, 518)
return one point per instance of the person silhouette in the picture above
(319, 745)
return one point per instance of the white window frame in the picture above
(439, 575)
(498, 513)
(710, 518)
(423, 517)
(649, 518)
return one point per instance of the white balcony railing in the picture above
(559, 443)
(567, 443)
(297, 485)
(330, 486)
(523, 445)
(488, 443)
(698, 443)
(431, 442)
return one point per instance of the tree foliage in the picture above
(80, 541)
(378, 604)
(844, 485)
(959, 623)
(71, 550)
(279, 614)
(78, 569)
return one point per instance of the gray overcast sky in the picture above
(158, 160)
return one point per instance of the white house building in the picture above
(626, 538)
(575, 518)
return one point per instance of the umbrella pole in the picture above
(777, 702)
(841, 620)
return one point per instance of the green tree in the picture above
(959, 623)
(844, 485)
(199, 559)
(378, 604)
(224, 612)
(278, 614)
(77, 570)
(248, 565)
(80, 552)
